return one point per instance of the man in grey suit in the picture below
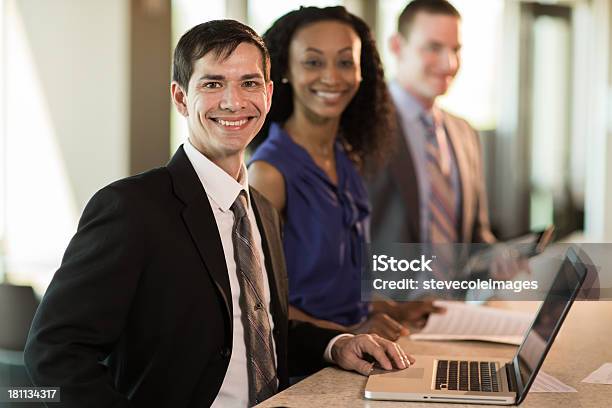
(433, 189)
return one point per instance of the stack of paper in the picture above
(468, 322)
(547, 383)
(603, 375)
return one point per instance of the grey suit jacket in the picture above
(394, 192)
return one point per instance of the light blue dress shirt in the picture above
(409, 111)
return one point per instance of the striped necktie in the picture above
(441, 203)
(261, 369)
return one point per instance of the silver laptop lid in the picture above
(552, 312)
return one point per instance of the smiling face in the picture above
(428, 56)
(226, 102)
(324, 68)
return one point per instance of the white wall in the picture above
(67, 121)
(80, 49)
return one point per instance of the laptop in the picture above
(487, 380)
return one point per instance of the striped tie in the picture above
(262, 378)
(441, 204)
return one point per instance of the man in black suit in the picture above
(173, 292)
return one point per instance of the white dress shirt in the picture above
(222, 190)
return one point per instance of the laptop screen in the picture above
(552, 312)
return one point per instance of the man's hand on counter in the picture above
(353, 353)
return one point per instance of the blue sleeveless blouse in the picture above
(324, 229)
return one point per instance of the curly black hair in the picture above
(367, 124)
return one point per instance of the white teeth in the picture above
(328, 95)
(232, 123)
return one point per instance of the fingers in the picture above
(385, 326)
(408, 360)
(417, 312)
(505, 268)
(387, 353)
(507, 264)
(393, 350)
(382, 328)
(419, 324)
(372, 346)
(385, 333)
(524, 266)
(428, 307)
(364, 368)
(395, 326)
(437, 309)
(349, 353)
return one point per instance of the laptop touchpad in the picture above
(414, 373)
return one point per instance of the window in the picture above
(65, 123)
(39, 208)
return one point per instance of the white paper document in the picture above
(469, 322)
(603, 375)
(547, 383)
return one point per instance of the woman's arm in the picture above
(377, 323)
(297, 314)
(270, 182)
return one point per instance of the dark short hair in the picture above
(367, 122)
(219, 36)
(407, 16)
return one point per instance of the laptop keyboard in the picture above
(466, 376)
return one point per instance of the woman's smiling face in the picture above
(324, 68)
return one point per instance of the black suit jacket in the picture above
(394, 190)
(139, 314)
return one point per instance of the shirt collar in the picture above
(407, 105)
(222, 188)
(410, 109)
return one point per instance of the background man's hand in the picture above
(507, 264)
(350, 353)
(383, 325)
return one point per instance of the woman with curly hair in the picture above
(331, 116)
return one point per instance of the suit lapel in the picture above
(403, 171)
(200, 222)
(272, 249)
(456, 136)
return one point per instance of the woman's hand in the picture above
(381, 324)
(414, 313)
